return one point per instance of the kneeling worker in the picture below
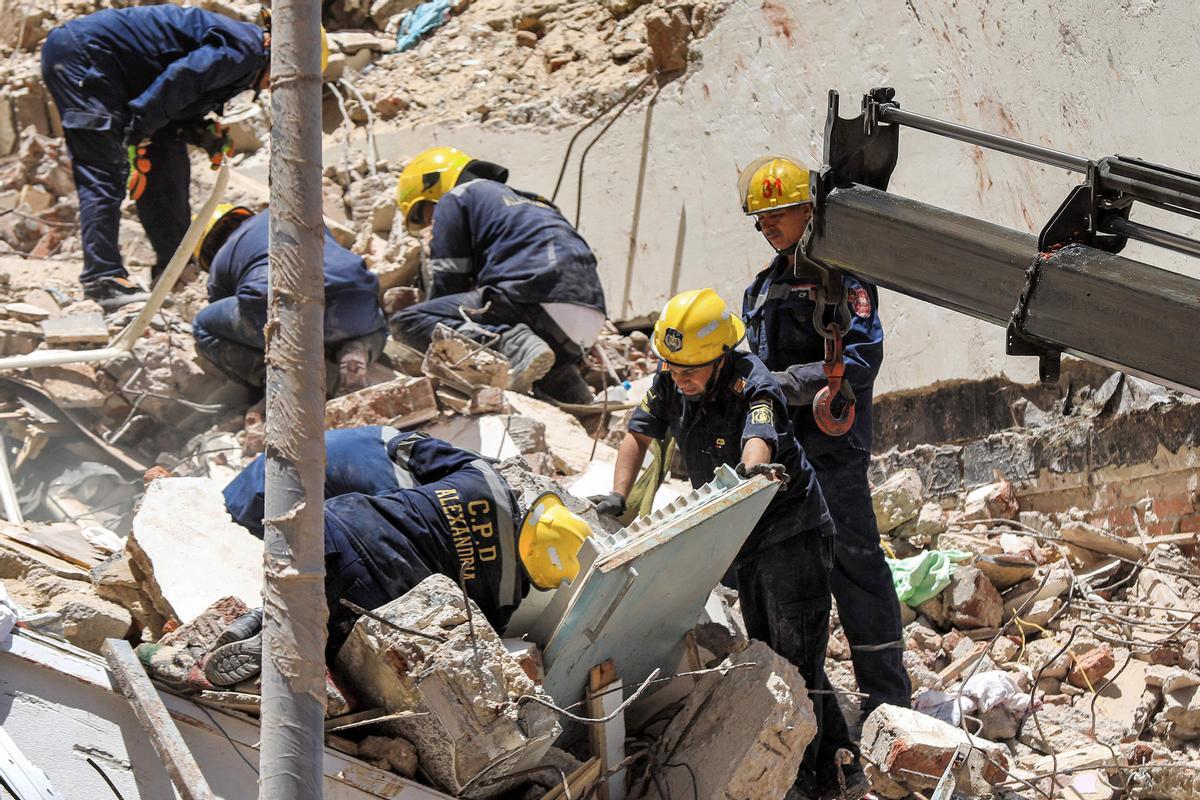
(229, 331)
(723, 406)
(461, 520)
(524, 278)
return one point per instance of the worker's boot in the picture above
(529, 357)
(237, 654)
(352, 367)
(566, 385)
(112, 292)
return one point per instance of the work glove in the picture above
(211, 137)
(776, 472)
(612, 505)
(139, 171)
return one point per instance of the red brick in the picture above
(1090, 668)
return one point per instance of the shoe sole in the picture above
(537, 368)
(234, 662)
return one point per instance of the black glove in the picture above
(775, 472)
(612, 505)
(210, 136)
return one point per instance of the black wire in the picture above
(691, 774)
(107, 779)
(232, 744)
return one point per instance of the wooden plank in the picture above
(62, 541)
(604, 695)
(577, 780)
(156, 721)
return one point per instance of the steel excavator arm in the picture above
(1065, 291)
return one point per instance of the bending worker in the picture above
(133, 86)
(356, 460)
(229, 330)
(461, 520)
(525, 280)
(778, 309)
(723, 406)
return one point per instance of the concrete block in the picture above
(75, 329)
(898, 499)
(743, 733)
(87, 620)
(970, 601)
(667, 33)
(472, 725)
(401, 403)
(18, 338)
(26, 312)
(914, 749)
(189, 550)
(993, 501)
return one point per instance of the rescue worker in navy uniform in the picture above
(460, 519)
(778, 309)
(524, 278)
(229, 330)
(356, 460)
(723, 406)
(132, 85)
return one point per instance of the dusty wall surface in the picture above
(658, 203)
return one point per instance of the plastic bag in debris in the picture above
(103, 539)
(420, 21)
(979, 695)
(923, 576)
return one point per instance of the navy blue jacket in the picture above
(743, 403)
(487, 234)
(778, 309)
(356, 460)
(240, 268)
(163, 63)
(461, 518)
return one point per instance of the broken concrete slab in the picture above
(991, 501)
(898, 499)
(75, 329)
(971, 601)
(26, 312)
(18, 338)
(182, 530)
(1099, 540)
(471, 725)
(742, 732)
(915, 749)
(462, 364)
(568, 441)
(401, 403)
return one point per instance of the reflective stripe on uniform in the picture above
(453, 265)
(510, 587)
(404, 478)
(774, 291)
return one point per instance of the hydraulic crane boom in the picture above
(1065, 291)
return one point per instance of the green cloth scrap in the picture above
(923, 576)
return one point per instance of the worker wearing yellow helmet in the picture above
(229, 330)
(509, 261)
(457, 517)
(724, 408)
(779, 307)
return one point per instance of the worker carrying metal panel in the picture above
(783, 309)
(724, 407)
(133, 86)
(456, 516)
(229, 330)
(505, 267)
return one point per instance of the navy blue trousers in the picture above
(229, 332)
(94, 126)
(862, 582)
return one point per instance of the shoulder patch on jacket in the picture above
(762, 413)
(860, 301)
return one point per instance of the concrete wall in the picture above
(659, 205)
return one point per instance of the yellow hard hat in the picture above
(773, 182)
(426, 178)
(225, 219)
(549, 542)
(696, 328)
(324, 50)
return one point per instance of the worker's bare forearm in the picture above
(756, 451)
(629, 461)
